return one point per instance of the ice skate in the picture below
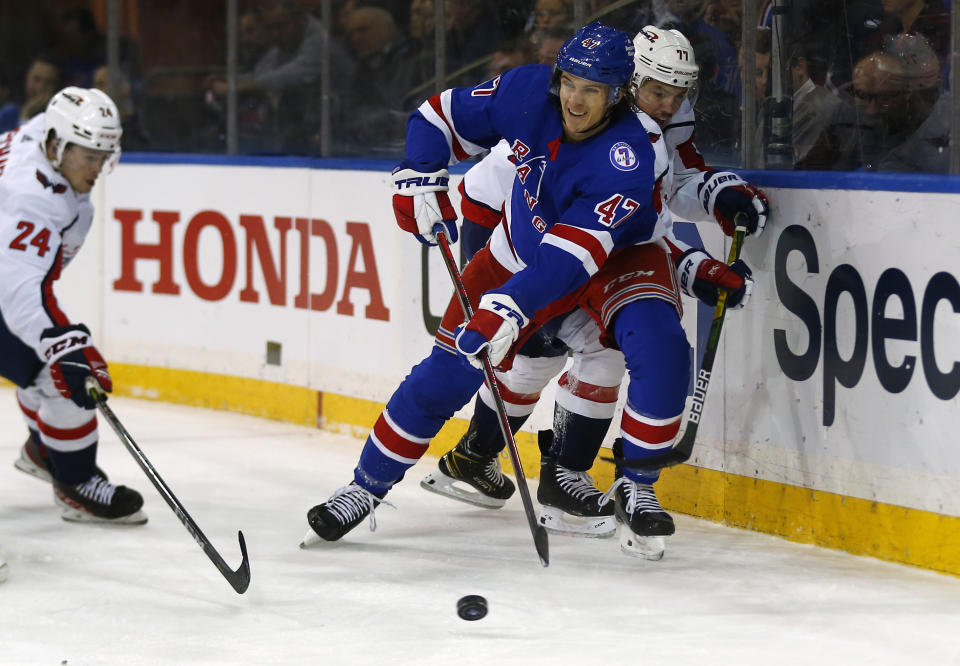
(644, 523)
(345, 509)
(96, 500)
(470, 476)
(33, 460)
(571, 504)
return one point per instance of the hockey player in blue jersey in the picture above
(587, 393)
(583, 190)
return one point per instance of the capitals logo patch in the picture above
(623, 157)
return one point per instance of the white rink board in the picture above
(890, 447)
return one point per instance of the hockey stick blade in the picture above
(681, 452)
(240, 579)
(540, 540)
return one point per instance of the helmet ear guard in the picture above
(665, 56)
(85, 117)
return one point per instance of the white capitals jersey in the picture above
(679, 168)
(43, 223)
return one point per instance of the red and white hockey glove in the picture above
(420, 202)
(70, 353)
(702, 277)
(494, 327)
(724, 194)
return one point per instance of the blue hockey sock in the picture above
(433, 391)
(657, 354)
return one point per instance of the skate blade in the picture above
(4, 570)
(557, 521)
(74, 515)
(645, 547)
(441, 484)
(309, 539)
(27, 466)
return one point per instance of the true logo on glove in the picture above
(506, 311)
(422, 181)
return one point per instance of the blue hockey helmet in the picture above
(597, 53)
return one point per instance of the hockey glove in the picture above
(494, 327)
(420, 201)
(702, 277)
(724, 194)
(70, 353)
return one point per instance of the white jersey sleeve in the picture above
(489, 181)
(689, 167)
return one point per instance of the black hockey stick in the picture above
(538, 531)
(240, 579)
(681, 452)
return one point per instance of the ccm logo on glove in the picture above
(71, 357)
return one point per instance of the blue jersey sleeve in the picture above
(462, 122)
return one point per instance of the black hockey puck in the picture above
(472, 607)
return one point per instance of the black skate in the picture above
(96, 500)
(345, 509)
(645, 523)
(470, 476)
(33, 461)
(571, 504)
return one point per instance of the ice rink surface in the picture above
(91, 595)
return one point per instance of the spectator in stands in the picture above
(251, 42)
(287, 75)
(550, 43)
(927, 117)
(375, 118)
(865, 129)
(687, 16)
(134, 136)
(40, 82)
(81, 47)
(509, 54)
(927, 18)
(473, 34)
(813, 105)
(549, 15)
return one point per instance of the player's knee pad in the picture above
(530, 375)
(657, 356)
(64, 426)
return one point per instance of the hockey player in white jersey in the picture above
(663, 85)
(47, 168)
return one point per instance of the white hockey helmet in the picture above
(665, 56)
(85, 117)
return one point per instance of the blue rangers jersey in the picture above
(43, 223)
(679, 167)
(571, 204)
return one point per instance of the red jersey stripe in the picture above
(587, 241)
(395, 442)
